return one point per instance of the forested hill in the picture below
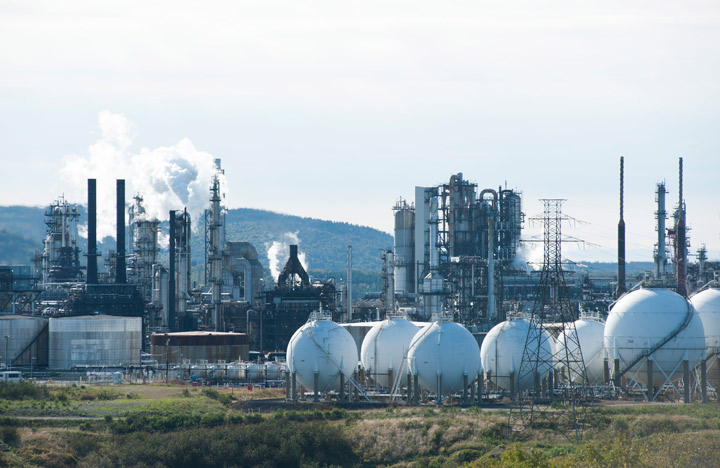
(324, 243)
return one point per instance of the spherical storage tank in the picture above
(322, 347)
(707, 305)
(386, 347)
(445, 349)
(590, 335)
(642, 319)
(502, 351)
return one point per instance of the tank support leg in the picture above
(650, 386)
(465, 389)
(606, 371)
(409, 388)
(703, 380)
(512, 386)
(416, 390)
(341, 397)
(480, 387)
(551, 386)
(686, 381)
(293, 386)
(439, 390)
(316, 384)
(472, 391)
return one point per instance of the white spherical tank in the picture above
(444, 349)
(641, 320)
(502, 351)
(590, 335)
(385, 347)
(707, 305)
(325, 348)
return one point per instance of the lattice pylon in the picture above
(561, 403)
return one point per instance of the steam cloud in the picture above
(278, 253)
(168, 178)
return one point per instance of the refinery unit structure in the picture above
(454, 269)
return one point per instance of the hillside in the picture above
(324, 243)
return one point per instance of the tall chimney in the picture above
(681, 240)
(92, 275)
(172, 299)
(621, 289)
(120, 270)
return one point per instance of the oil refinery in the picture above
(453, 321)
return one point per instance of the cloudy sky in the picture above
(334, 109)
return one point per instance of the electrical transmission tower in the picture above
(553, 388)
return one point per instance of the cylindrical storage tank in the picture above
(324, 348)
(502, 352)
(642, 319)
(444, 349)
(274, 370)
(21, 331)
(707, 305)
(235, 372)
(199, 346)
(386, 347)
(94, 340)
(590, 335)
(254, 372)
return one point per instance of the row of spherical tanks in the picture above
(445, 356)
(442, 354)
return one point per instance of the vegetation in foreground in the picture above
(179, 426)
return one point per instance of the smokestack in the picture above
(681, 240)
(348, 289)
(92, 276)
(621, 289)
(120, 270)
(172, 299)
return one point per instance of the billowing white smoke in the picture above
(168, 178)
(529, 256)
(278, 253)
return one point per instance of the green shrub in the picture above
(24, 390)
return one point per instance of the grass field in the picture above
(183, 426)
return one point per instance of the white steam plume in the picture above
(278, 253)
(168, 178)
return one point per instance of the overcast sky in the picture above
(334, 109)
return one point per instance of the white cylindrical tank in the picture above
(94, 340)
(20, 331)
(590, 334)
(444, 349)
(274, 370)
(386, 347)
(254, 372)
(502, 352)
(322, 347)
(642, 319)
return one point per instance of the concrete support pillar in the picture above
(465, 389)
(472, 389)
(650, 385)
(416, 390)
(439, 389)
(286, 374)
(391, 379)
(354, 394)
(686, 381)
(551, 386)
(409, 388)
(341, 396)
(606, 371)
(479, 387)
(616, 372)
(703, 380)
(512, 386)
(293, 386)
(316, 385)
